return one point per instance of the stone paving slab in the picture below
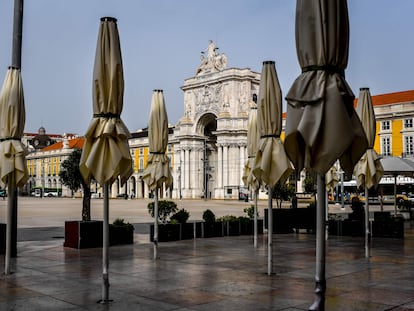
(211, 274)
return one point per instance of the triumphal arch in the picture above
(210, 140)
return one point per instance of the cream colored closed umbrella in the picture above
(271, 163)
(13, 169)
(369, 170)
(105, 155)
(321, 124)
(248, 177)
(158, 170)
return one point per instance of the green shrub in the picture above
(119, 222)
(180, 217)
(227, 218)
(165, 210)
(208, 216)
(250, 211)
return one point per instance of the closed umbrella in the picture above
(105, 155)
(321, 123)
(271, 163)
(369, 170)
(13, 170)
(158, 170)
(248, 177)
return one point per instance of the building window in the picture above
(385, 125)
(386, 146)
(408, 123)
(409, 145)
(141, 151)
(141, 164)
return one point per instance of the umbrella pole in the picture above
(395, 195)
(367, 229)
(10, 207)
(156, 223)
(320, 286)
(255, 218)
(105, 246)
(326, 216)
(269, 232)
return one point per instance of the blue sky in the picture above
(161, 42)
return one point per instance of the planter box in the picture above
(3, 238)
(88, 234)
(166, 232)
(83, 234)
(247, 227)
(212, 229)
(190, 230)
(392, 228)
(3, 228)
(355, 228)
(285, 220)
(231, 228)
(120, 235)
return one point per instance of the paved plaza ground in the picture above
(225, 273)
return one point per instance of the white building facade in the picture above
(210, 140)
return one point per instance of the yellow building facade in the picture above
(395, 137)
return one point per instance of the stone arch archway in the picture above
(206, 127)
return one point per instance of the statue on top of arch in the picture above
(213, 62)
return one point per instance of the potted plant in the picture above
(121, 232)
(188, 230)
(167, 231)
(231, 225)
(247, 222)
(210, 227)
(83, 233)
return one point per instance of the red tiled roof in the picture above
(73, 143)
(385, 99)
(391, 98)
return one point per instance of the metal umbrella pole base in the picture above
(320, 286)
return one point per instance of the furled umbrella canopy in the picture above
(249, 178)
(369, 170)
(321, 124)
(271, 163)
(105, 155)
(12, 120)
(158, 169)
(13, 170)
